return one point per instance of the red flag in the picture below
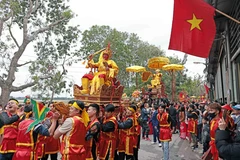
(193, 27)
(206, 88)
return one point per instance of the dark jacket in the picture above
(192, 114)
(125, 124)
(144, 114)
(9, 120)
(229, 150)
(1, 121)
(173, 112)
(154, 118)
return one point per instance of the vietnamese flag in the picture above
(193, 27)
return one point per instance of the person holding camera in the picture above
(227, 149)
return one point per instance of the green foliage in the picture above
(8, 6)
(193, 86)
(67, 14)
(44, 24)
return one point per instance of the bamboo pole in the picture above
(173, 86)
(136, 81)
(233, 19)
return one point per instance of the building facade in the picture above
(223, 63)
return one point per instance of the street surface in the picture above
(179, 150)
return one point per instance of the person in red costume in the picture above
(192, 116)
(93, 130)
(73, 130)
(138, 137)
(11, 120)
(122, 134)
(29, 143)
(108, 134)
(165, 134)
(52, 145)
(128, 125)
(183, 126)
(214, 116)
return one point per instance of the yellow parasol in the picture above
(175, 67)
(172, 68)
(136, 69)
(157, 62)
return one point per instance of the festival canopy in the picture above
(135, 69)
(173, 67)
(157, 62)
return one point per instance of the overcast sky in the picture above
(150, 19)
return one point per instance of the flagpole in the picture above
(233, 19)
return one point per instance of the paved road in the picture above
(179, 150)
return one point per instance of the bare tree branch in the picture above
(1, 27)
(10, 31)
(30, 84)
(15, 89)
(37, 4)
(41, 30)
(1, 81)
(45, 77)
(63, 72)
(25, 20)
(22, 47)
(20, 65)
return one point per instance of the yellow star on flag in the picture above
(195, 22)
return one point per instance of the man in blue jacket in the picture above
(155, 125)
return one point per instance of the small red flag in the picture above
(193, 27)
(206, 88)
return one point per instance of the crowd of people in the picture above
(98, 132)
(215, 126)
(83, 134)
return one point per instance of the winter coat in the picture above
(206, 133)
(145, 114)
(228, 149)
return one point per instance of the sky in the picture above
(151, 20)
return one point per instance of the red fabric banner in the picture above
(193, 27)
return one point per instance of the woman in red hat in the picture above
(226, 112)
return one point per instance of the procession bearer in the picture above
(128, 126)
(93, 130)
(73, 130)
(108, 135)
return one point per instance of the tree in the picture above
(193, 86)
(44, 25)
(128, 49)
